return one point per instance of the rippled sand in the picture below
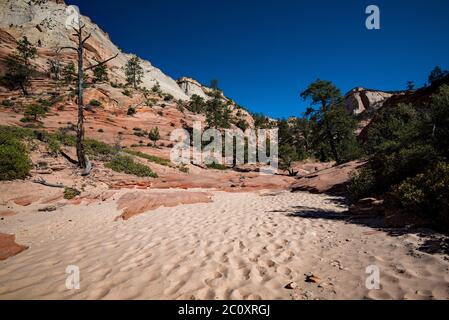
(240, 246)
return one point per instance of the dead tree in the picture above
(83, 160)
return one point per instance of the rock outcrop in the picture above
(332, 180)
(44, 23)
(360, 100)
(191, 86)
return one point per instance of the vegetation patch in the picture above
(151, 158)
(127, 165)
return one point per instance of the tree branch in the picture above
(41, 181)
(71, 48)
(101, 63)
(86, 38)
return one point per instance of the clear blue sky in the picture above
(264, 53)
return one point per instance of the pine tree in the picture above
(134, 71)
(154, 135)
(330, 121)
(101, 74)
(19, 68)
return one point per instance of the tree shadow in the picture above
(433, 242)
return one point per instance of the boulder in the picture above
(332, 180)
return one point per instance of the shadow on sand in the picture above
(433, 242)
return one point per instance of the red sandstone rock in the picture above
(330, 180)
(8, 246)
(135, 203)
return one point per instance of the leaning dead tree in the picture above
(83, 160)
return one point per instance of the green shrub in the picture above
(35, 111)
(7, 103)
(216, 166)
(53, 146)
(127, 165)
(427, 194)
(168, 97)
(148, 157)
(95, 103)
(14, 159)
(45, 103)
(98, 148)
(361, 183)
(70, 193)
(154, 135)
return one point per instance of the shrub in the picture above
(361, 183)
(183, 168)
(45, 103)
(53, 146)
(216, 166)
(148, 157)
(127, 93)
(100, 130)
(168, 97)
(70, 193)
(98, 148)
(7, 103)
(95, 103)
(14, 160)
(154, 135)
(127, 165)
(427, 194)
(131, 111)
(35, 111)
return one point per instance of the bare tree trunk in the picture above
(83, 160)
(80, 125)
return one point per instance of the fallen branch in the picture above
(41, 181)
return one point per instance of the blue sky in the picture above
(264, 53)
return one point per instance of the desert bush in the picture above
(427, 194)
(34, 112)
(216, 166)
(95, 103)
(14, 159)
(7, 103)
(361, 183)
(70, 193)
(151, 158)
(127, 165)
